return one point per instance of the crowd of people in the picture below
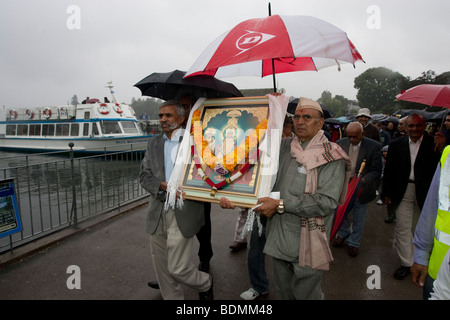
(402, 163)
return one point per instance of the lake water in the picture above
(50, 191)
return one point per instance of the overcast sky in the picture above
(53, 49)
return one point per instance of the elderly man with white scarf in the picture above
(171, 229)
(312, 180)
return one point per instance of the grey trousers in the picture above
(171, 254)
(293, 282)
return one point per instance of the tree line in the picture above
(377, 88)
(146, 108)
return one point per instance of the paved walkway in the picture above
(114, 262)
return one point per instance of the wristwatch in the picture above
(280, 208)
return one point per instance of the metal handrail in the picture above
(58, 190)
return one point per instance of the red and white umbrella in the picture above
(286, 43)
(433, 95)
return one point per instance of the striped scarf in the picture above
(314, 249)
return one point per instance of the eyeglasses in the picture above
(305, 117)
(447, 120)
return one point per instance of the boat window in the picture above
(22, 129)
(87, 115)
(62, 129)
(85, 129)
(95, 129)
(48, 129)
(11, 129)
(35, 129)
(129, 127)
(110, 127)
(74, 129)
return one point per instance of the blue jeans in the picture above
(359, 219)
(256, 259)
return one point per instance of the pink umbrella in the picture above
(434, 95)
(256, 47)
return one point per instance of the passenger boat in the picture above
(89, 127)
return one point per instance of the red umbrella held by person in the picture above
(342, 211)
(275, 44)
(433, 95)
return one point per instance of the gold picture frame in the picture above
(227, 125)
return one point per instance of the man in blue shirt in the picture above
(424, 237)
(172, 230)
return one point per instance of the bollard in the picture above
(73, 212)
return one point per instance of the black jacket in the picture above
(370, 150)
(398, 166)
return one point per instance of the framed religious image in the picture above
(225, 159)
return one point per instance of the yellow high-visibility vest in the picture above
(442, 226)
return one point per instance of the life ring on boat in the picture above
(30, 114)
(103, 108)
(13, 114)
(118, 108)
(47, 113)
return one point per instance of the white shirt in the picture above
(413, 149)
(356, 146)
(353, 154)
(170, 151)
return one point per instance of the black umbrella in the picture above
(332, 121)
(379, 117)
(438, 116)
(171, 85)
(384, 119)
(293, 105)
(406, 112)
(392, 119)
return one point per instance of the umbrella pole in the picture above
(273, 76)
(273, 62)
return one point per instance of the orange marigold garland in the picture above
(222, 165)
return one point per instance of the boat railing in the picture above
(59, 190)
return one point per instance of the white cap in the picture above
(363, 112)
(305, 103)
